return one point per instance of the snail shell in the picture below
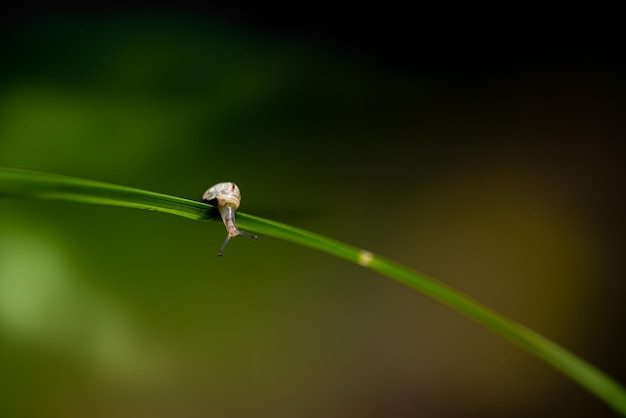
(226, 197)
(223, 194)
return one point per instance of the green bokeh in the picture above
(113, 312)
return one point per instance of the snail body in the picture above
(226, 197)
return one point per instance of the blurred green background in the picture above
(502, 180)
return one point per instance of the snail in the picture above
(226, 198)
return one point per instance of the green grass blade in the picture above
(25, 184)
(22, 183)
(580, 371)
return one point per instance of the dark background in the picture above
(483, 147)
